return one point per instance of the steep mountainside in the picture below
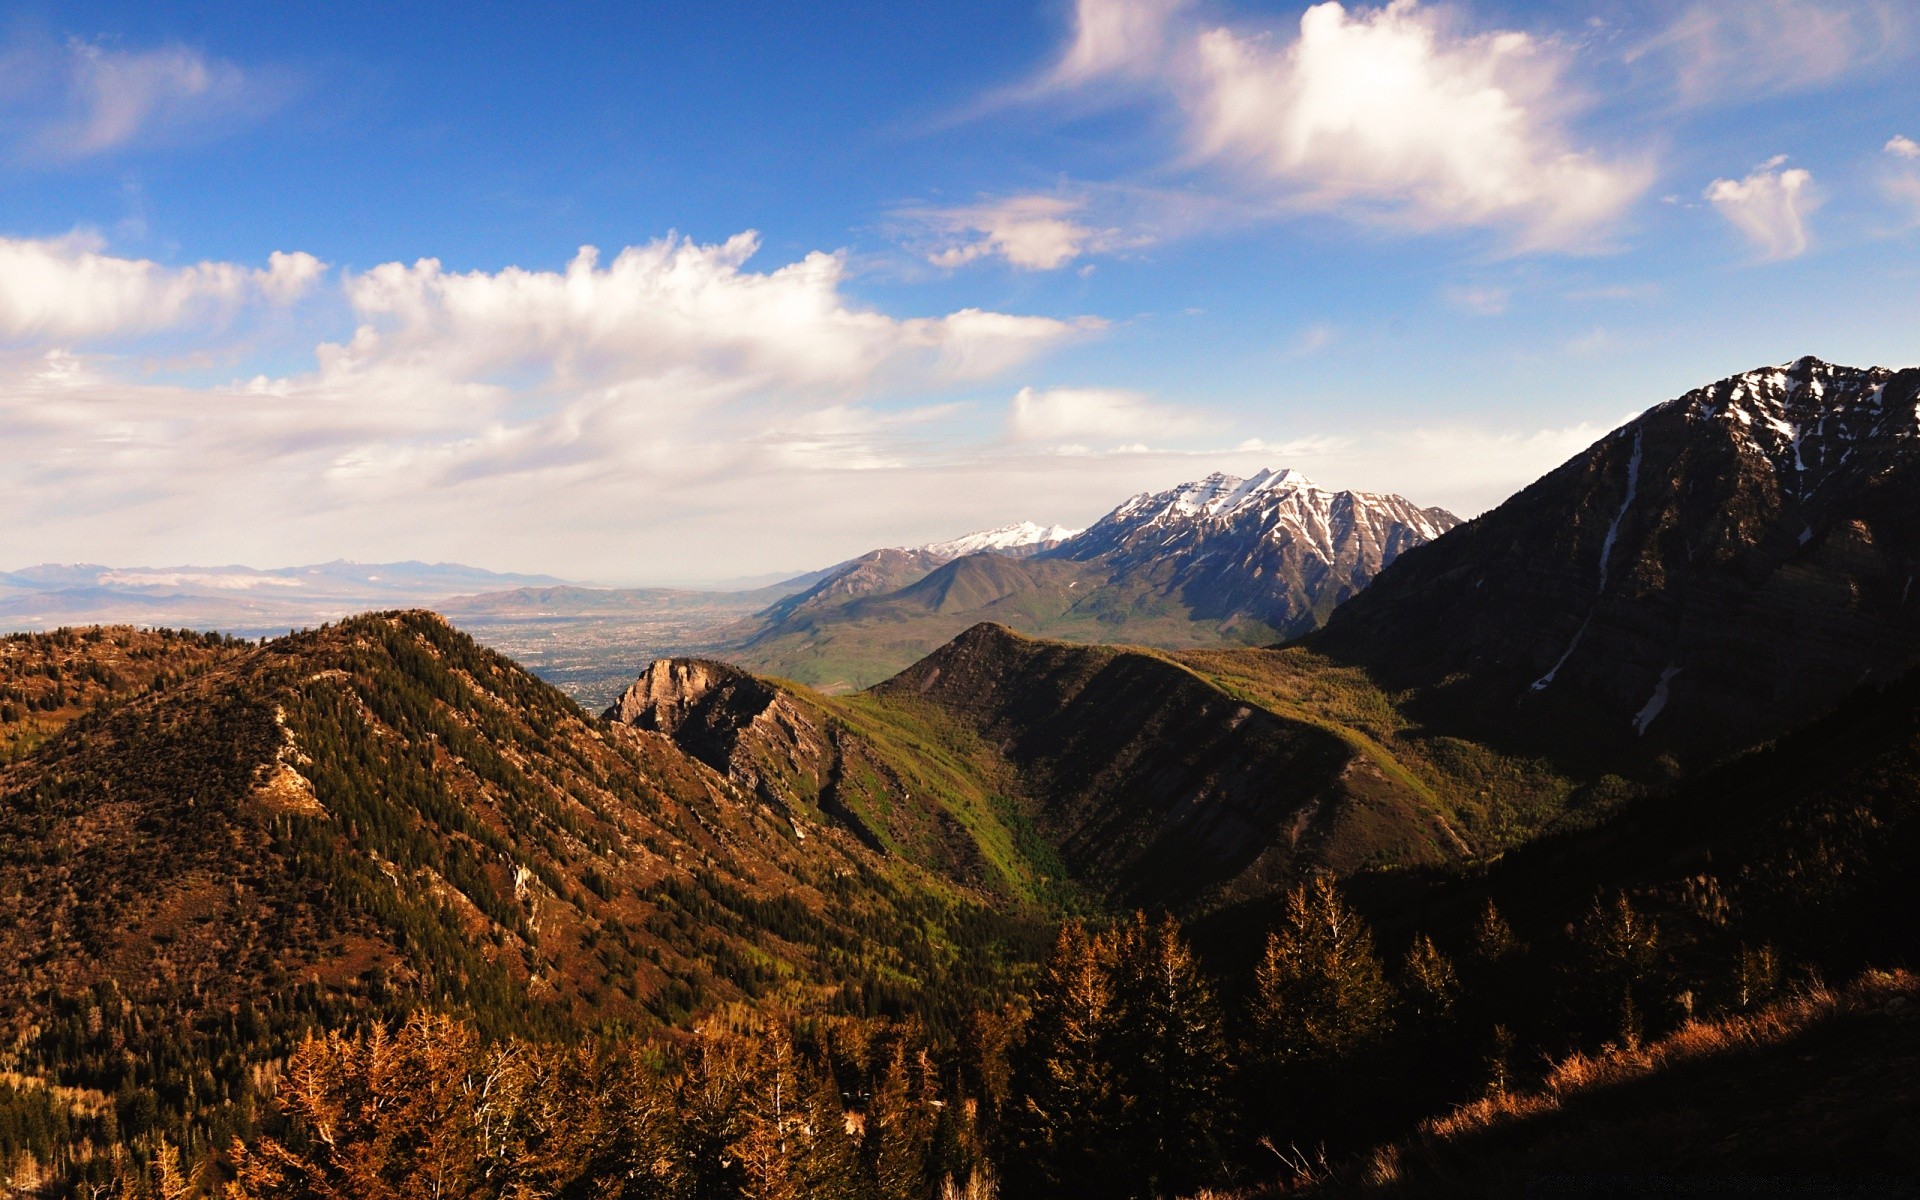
(369, 816)
(1275, 548)
(1222, 561)
(1158, 787)
(1725, 566)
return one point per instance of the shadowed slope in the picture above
(1727, 565)
(1158, 787)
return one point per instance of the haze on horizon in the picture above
(681, 294)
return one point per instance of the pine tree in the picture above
(1065, 1111)
(1320, 994)
(1493, 940)
(1429, 986)
(1170, 1053)
(1616, 967)
(900, 1127)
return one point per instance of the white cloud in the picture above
(68, 288)
(473, 411)
(1110, 36)
(1721, 51)
(1106, 416)
(1770, 206)
(1383, 114)
(1902, 146)
(671, 311)
(1036, 233)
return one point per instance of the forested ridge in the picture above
(368, 911)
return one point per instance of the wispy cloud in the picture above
(1735, 51)
(1034, 233)
(1770, 206)
(1079, 417)
(1481, 301)
(82, 99)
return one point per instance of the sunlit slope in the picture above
(380, 814)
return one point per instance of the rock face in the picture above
(737, 724)
(1722, 568)
(1275, 548)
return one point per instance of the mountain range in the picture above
(1620, 775)
(1223, 560)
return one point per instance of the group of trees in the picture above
(1124, 1072)
(765, 1108)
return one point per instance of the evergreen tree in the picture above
(900, 1128)
(1429, 987)
(1320, 994)
(1616, 967)
(1170, 1052)
(1065, 1112)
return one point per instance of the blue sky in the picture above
(293, 283)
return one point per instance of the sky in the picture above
(647, 293)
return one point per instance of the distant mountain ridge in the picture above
(234, 597)
(1724, 566)
(1220, 560)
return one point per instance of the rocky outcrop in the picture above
(1722, 568)
(736, 723)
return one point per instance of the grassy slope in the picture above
(1821, 1083)
(1154, 784)
(1497, 801)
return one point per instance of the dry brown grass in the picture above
(1699, 1039)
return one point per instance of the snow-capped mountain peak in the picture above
(1805, 418)
(1007, 537)
(1274, 545)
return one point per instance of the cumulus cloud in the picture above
(1902, 146)
(1385, 114)
(69, 288)
(1770, 206)
(671, 310)
(1719, 51)
(1035, 233)
(671, 378)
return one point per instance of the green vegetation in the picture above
(370, 911)
(1494, 801)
